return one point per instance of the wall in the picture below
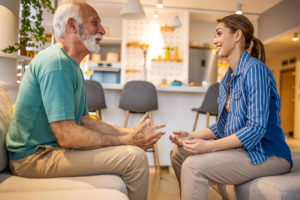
(278, 19)
(202, 32)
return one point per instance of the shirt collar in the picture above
(241, 63)
(239, 68)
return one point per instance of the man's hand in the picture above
(143, 136)
(197, 146)
(179, 137)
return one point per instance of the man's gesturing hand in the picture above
(143, 136)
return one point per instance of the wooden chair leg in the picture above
(216, 118)
(195, 124)
(207, 119)
(155, 155)
(126, 118)
(98, 113)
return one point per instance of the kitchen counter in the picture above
(174, 109)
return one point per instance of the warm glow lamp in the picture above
(159, 4)
(295, 38)
(239, 9)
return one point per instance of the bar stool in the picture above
(95, 97)
(209, 105)
(140, 97)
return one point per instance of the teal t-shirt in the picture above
(52, 90)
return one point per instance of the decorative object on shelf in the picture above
(48, 37)
(136, 44)
(112, 57)
(36, 31)
(176, 83)
(176, 56)
(239, 9)
(176, 23)
(133, 10)
(96, 57)
(166, 28)
(106, 29)
(202, 47)
(167, 52)
(159, 4)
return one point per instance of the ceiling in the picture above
(282, 45)
(248, 6)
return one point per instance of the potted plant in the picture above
(27, 31)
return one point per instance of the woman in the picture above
(248, 141)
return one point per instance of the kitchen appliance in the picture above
(105, 72)
(203, 65)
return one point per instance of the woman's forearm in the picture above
(204, 134)
(229, 142)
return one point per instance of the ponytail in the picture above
(257, 50)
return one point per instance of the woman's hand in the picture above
(197, 146)
(180, 136)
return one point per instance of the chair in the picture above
(140, 97)
(95, 97)
(209, 105)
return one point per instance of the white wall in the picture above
(202, 32)
(114, 24)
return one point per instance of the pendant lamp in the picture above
(133, 10)
(176, 23)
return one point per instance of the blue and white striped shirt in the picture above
(253, 111)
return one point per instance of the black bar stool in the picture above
(209, 105)
(140, 97)
(95, 97)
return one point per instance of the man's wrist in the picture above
(125, 140)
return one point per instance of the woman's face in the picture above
(225, 40)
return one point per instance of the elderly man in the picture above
(51, 133)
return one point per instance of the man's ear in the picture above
(238, 35)
(72, 25)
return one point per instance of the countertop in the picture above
(189, 89)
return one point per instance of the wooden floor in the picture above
(167, 187)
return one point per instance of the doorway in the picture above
(287, 95)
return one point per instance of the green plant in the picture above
(27, 31)
(168, 48)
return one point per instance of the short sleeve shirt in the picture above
(52, 90)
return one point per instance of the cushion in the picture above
(90, 194)
(10, 183)
(283, 187)
(5, 115)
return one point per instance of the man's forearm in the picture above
(103, 127)
(204, 134)
(79, 137)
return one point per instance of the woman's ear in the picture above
(238, 35)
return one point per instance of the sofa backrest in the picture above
(5, 116)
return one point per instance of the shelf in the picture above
(166, 28)
(172, 60)
(202, 47)
(111, 40)
(103, 61)
(132, 70)
(14, 56)
(105, 69)
(135, 44)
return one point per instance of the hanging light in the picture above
(295, 37)
(155, 14)
(239, 9)
(159, 4)
(133, 10)
(176, 22)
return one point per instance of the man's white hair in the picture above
(67, 9)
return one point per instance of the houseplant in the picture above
(27, 31)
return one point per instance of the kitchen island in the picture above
(174, 109)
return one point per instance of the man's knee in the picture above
(138, 155)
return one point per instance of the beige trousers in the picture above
(129, 162)
(195, 173)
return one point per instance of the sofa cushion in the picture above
(5, 115)
(10, 183)
(90, 194)
(281, 187)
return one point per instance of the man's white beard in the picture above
(89, 41)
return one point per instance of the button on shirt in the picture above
(253, 113)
